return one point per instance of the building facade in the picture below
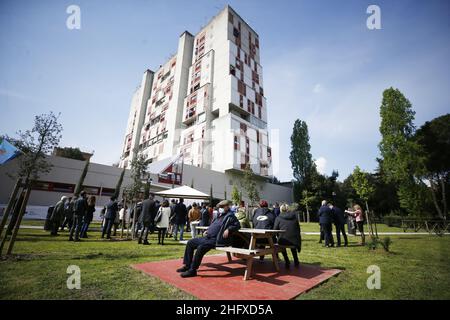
(206, 102)
(101, 181)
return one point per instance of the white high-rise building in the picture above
(207, 102)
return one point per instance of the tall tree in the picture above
(71, 153)
(365, 189)
(401, 155)
(211, 196)
(119, 184)
(434, 138)
(79, 186)
(307, 199)
(235, 195)
(138, 173)
(249, 184)
(301, 158)
(35, 144)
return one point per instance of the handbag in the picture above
(158, 216)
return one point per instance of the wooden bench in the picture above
(282, 247)
(253, 249)
(247, 255)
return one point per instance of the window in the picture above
(236, 32)
(230, 17)
(232, 70)
(259, 112)
(241, 87)
(197, 86)
(165, 76)
(236, 143)
(255, 77)
(160, 102)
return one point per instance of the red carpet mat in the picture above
(220, 280)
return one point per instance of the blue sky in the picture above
(321, 64)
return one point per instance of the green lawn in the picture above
(417, 268)
(314, 227)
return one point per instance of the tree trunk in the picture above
(307, 214)
(444, 198)
(433, 195)
(10, 205)
(19, 221)
(369, 223)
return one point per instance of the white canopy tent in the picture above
(182, 192)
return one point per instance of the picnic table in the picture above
(254, 250)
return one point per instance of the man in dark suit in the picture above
(339, 222)
(147, 215)
(179, 219)
(110, 215)
(79, 212)
(219, 233)
(325, 220)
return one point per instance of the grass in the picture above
(417, 268)
(314, 227)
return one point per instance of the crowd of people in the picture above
(172, 219)
(330, 214)
(74, 213)
(227, 219)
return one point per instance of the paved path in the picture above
(306, 233)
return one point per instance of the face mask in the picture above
(221, 210)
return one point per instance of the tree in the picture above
(401, 155)
(301, 158)
(211, 197)
(307, 198)
(138, 173)
(385, 198)
(71, 153)
(133, 191)
(35, 144)
(433, 137)
(235, 195)
(249, 185)
(79, 186)
(119, 184)
(364, 189)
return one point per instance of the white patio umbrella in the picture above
(182, 192)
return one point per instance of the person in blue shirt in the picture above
(219, 233)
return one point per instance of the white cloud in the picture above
(318, 88)
(321, 164)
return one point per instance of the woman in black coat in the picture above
(288, 221)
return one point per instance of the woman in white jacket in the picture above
(162, 221)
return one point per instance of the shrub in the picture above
(386, 243)
(372, 244)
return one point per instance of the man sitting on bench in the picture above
(218, 234)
